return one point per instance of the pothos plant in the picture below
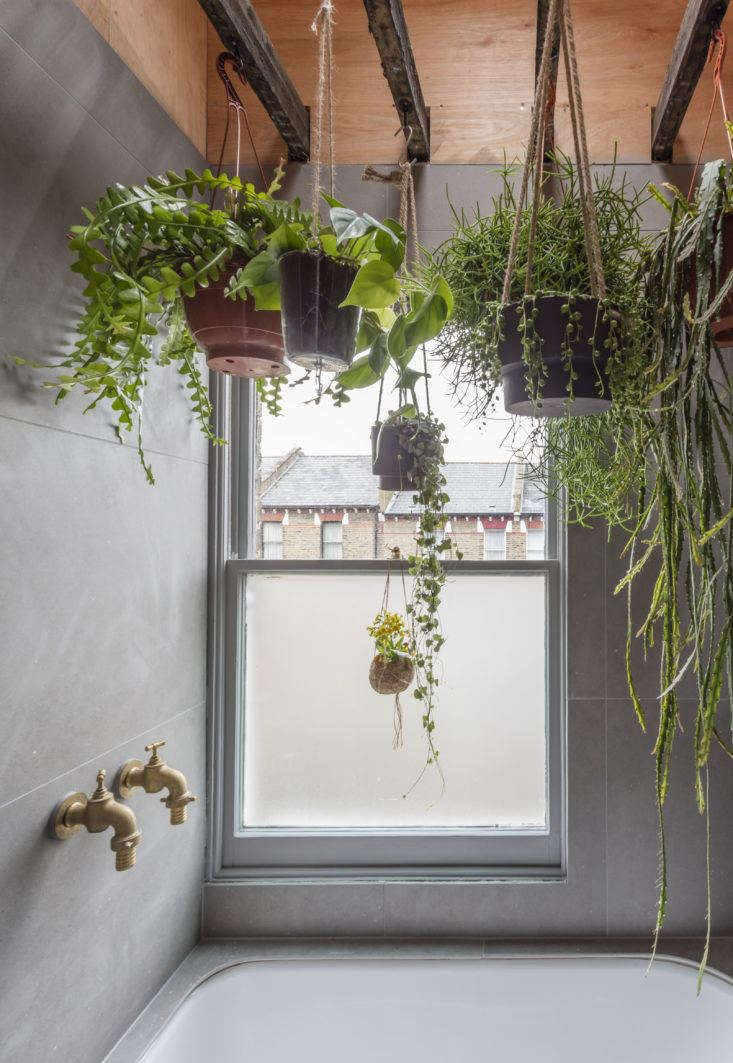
(661, 473)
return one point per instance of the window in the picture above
(535, 544)
(308, 782)
(332, 540)
(272, 540)
(494, 544)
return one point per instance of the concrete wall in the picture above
(102, 578)
(611, 885)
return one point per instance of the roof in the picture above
(472, 486)
(326, 480)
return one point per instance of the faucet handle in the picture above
(153, 748)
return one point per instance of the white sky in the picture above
(325, 429)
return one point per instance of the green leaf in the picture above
(359, 375)
(261, 277)
(347, 224)
(429, 314)
(285, 238)
(379, 355)
(375, 286)
(369, 329)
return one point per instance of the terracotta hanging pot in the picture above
(316, 329)
(590, 387)
(391, 675)
(235, 337)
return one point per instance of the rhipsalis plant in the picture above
(661, 472)
(473, 263)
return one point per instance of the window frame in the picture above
(276, 542)
(487, 531)
(339, 541)
(401, 854)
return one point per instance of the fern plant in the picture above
(141, 250)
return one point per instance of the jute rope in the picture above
(716, 56)
(559, 11)
(322, 26)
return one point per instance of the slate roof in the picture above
(474, 487)
(315, 480)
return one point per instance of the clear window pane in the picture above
(318, 740)
(315, 460)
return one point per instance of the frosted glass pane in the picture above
(318, 739)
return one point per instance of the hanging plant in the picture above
(661, 471)
(391, 670)
(143, 251)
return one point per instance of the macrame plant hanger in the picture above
(395, 554)
(559, 14)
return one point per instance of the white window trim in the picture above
(386, 854)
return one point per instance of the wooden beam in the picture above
(387, 26)
(243, 35)
(543, 7)
(701, 19)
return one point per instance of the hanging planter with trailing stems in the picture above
(554, 354)
(318, 331)
(390, 459)
(236, 337)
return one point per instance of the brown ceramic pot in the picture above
(235, 337)
(391, 675)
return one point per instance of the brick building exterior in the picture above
(325, 506)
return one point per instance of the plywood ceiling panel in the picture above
(476, 62)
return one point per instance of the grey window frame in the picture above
(234, 852)
(273, 542)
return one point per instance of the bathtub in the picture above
(533, 1010)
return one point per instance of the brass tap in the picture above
(154, 777)
(98, 812)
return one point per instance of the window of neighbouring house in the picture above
(318, 784)
(272, 540)
(494, 544)
(535, 544)
(332, 540)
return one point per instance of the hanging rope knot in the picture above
(325, 11)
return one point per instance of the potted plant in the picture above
(142, 252)
(322, 277)
(392, 669)
(658, 469)
(558, 349)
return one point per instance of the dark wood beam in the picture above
(701, 19)
(543, 7)
(387, 26)
(243, 35)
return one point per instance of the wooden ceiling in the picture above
(475, 59)
(476, 64)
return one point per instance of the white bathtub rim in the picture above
(310, 951)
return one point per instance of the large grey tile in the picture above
(633, 844)
(104, 598)
(525, 908)
(84, 947)
(586, 611)
(301, 909)
(62, 42)
(45, 188)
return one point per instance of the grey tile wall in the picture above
(102, 578)
(611, 885)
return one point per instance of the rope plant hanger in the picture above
(391, 670)
(554, 348)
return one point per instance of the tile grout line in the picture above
(100, 439)
(79, 104)
(104, 753)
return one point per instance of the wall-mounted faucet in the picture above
(98, 812)
(153, 777)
